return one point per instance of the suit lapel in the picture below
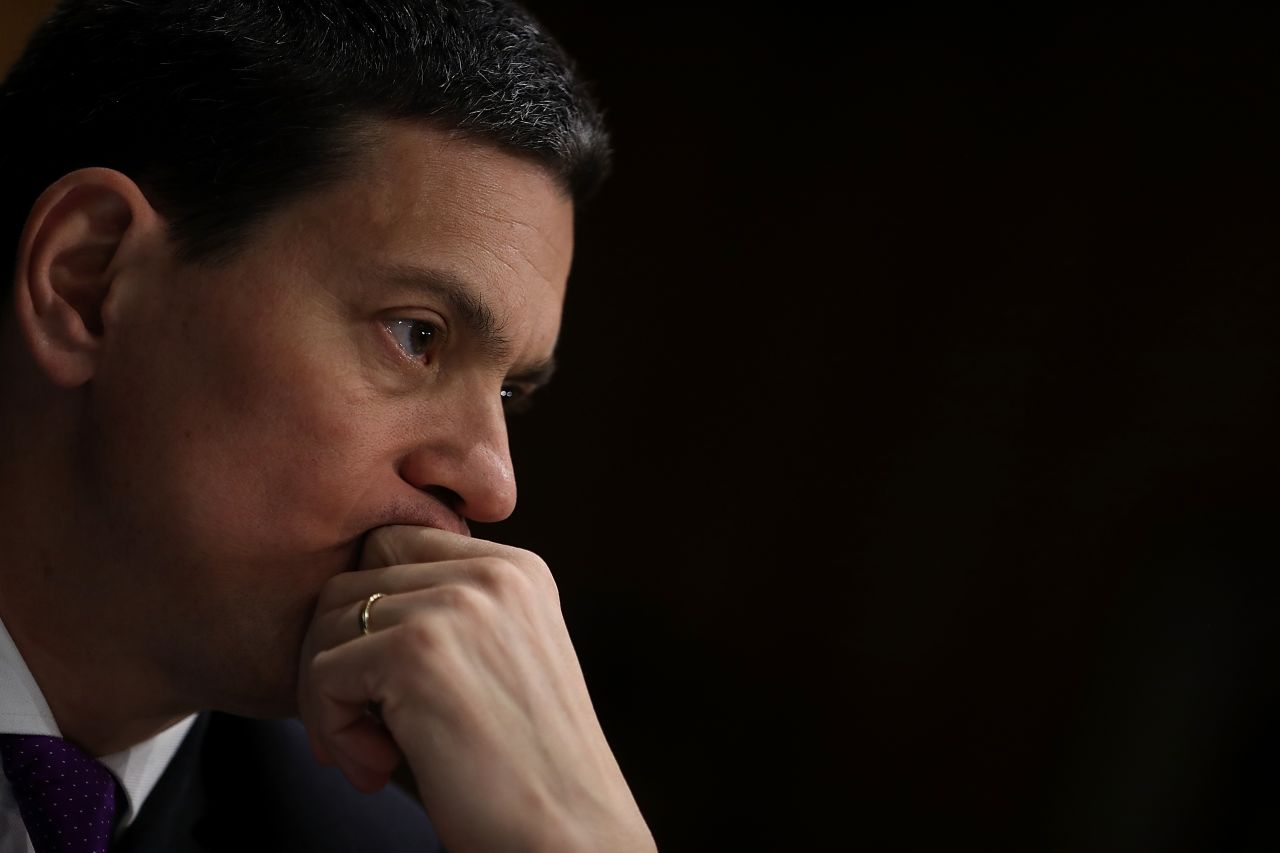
(169, 820)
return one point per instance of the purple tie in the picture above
(67, 798)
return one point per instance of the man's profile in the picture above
(278, 271)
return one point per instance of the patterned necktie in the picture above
(67, 798)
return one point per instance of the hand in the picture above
(479, 689)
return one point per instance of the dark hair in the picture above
(222, 110)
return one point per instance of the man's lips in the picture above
(448, 521)
(428, 512)
(425, 508)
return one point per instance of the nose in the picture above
(466, 453)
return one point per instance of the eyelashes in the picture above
(516, 400)
(419, 340)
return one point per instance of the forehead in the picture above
(413, 173)
(439, 201)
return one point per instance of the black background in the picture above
(909, 473)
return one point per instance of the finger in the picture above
(398, 544)
(364, 781)
(341, 590)
(340, 683)
(366, 754)
(457, 599)
(343, 598)
(319, 750)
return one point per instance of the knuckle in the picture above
(317, 669)
(520, 575)
(541, 574)
(467, 600)
(538, 573)
(494, 574)
(422, 653)
(417, 633)
(550, 587)
(530, 561)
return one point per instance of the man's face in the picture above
(255, 419)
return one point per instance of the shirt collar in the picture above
(24, 711)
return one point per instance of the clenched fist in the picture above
(477, 686)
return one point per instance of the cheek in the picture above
(244, 444)
(294, 448)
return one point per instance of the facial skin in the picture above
(240, 428)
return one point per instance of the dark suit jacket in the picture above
(247, 785)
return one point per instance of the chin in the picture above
(254, 660)
(261, 679)
(267, 701)
(270, 711)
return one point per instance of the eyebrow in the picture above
(473, 312)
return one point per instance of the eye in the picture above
(516, 399)
(414, 337)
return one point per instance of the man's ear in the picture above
(82, 233)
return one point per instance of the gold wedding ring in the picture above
(364, 613)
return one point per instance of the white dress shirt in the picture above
(24, 711)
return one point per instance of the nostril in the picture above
(446, 496)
